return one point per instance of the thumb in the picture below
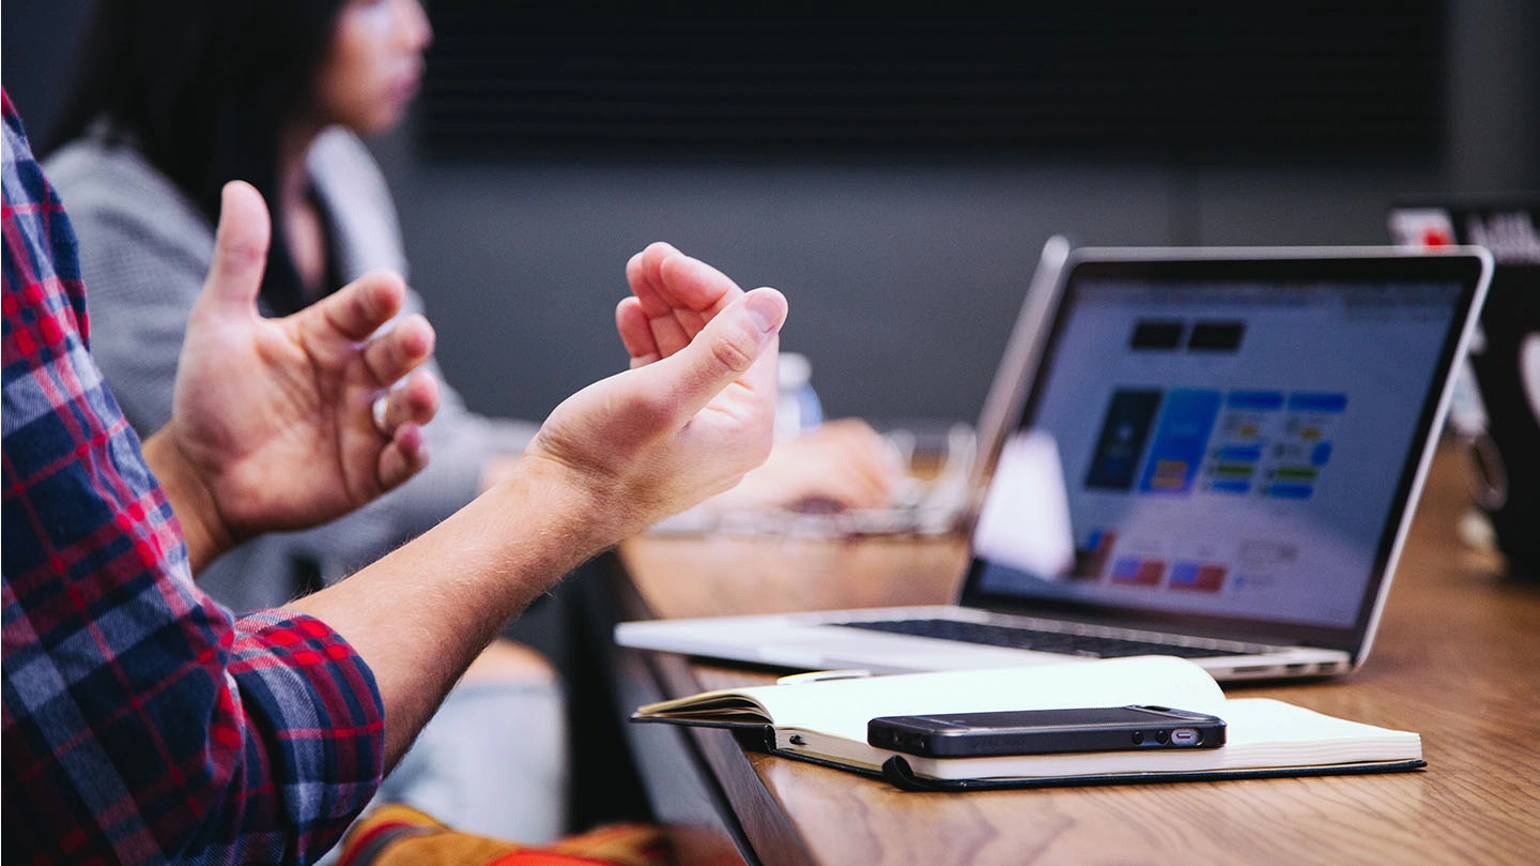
(725, 350)
(240, 247)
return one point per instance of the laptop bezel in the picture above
(1470, 266)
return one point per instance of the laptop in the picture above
(1209, 453)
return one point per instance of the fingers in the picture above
(677, 294)
(399, 416)
(635, 333)
(667, 281)
(399, 350)
(836, 491)
(843, 464)
(866, 486)
(359, 309)
(644, 275)
(732, 346)
(240, 248)
(404, 457)
(416, 401)
(692, 285)
(863, 449)
(356, 312)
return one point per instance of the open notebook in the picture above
(825, 722)
(1209, 453)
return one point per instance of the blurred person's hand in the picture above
(842, 464)
(274, 423)
(695, 412)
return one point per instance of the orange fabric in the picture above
(396, 835)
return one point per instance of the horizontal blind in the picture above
(1195, 79)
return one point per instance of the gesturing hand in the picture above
(271, 422)
(694, 413)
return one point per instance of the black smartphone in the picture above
(1039, 732)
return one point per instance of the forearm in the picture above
(421, 614)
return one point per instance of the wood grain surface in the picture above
(1457, 660)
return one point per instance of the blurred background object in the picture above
(1495, 414)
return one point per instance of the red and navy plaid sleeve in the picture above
(142, 724)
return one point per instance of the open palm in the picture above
(275, 414)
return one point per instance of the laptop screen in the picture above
(1226, 444)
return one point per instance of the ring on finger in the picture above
(378, 412)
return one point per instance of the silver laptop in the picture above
(1209, 453)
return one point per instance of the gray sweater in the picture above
(144, 251)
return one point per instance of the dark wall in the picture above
(904, 278)
(37, 47)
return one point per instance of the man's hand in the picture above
(274, 424)
(694, 413)
(672, 298)
(844, 465)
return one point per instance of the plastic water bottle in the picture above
(797, 409)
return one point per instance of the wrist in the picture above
(587, 514)
(203, 529)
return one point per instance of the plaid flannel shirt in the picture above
(142, 723)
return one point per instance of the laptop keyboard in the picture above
(1096, 646)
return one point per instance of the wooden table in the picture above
(1457, 660)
